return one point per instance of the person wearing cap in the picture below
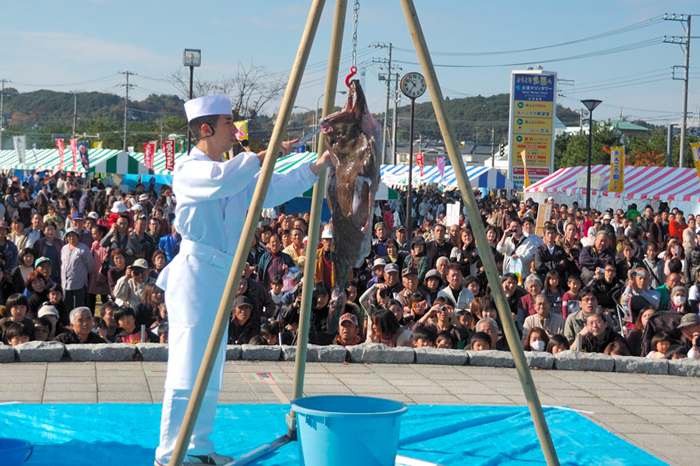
(242, 328)
(418, 260)
(432, 284)
(402, 241)
(78, 223)
(348, 331)
(412, 300)
(379, 240)
(213, 197)
(8, 249)
(323, 272)
(76, 265)
(689, 328)
(119, 237)
(80, 328)
(129, 289)
(377, 272)
(144, 200)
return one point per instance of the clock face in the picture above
(413, 85)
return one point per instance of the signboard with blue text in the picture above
(531, 126)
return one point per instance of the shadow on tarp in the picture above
(109, 434)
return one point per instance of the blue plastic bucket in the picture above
(337, 430)
(15, 452)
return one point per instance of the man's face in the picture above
(347, 331)
(401, 236)
(36, 221)
(140, 226)
(549, 237)
(224, 133)
(275, 245)
(410, 281)
(516, 228)
(690, 330)
(242, 313)
(82, 324)
(649, 212)
(588, 303)
(454, 278)
(154, 225)
(570, 231)
(17, 226)
(528, 227)
(327, 244)
(454, 230)
(381, 232)
(50, 232)
(391, 278)
(596, 325)
(108, 316)
(122, 225)
(601, 242)
(439, 233)
(297, 238)
(542, 306)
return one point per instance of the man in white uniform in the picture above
(212, 200)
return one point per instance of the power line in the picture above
(622, 30)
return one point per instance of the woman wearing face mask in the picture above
(536, 340)
(679, 300)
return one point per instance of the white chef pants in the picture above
(174, 407)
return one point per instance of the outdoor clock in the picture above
(413, 85)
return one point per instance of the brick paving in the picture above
(660, 414)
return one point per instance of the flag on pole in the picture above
(695, 149)
(419, 162)
(617, 170)
(523, 155)
(169, 151)
(440, 161)
(61, 148)
(21, 148)
(74, 151)
(97, 145)
(149, 150)
(242, 134)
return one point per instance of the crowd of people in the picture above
(79, 260)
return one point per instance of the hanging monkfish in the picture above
(353, 138)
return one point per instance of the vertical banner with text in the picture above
(169, 152)
(617, 170)
(83, 151)
(149, 149)
(532, 109)
(20, 143)
(419, 162)
(695, 149)
(440, 162)
(61, 153)
(74, 151)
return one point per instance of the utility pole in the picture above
(390, 71)
(75, 112)
(2, 109)
(686, 71)
(126, 104)
(161, 133)
(394, 123)
(493, 143)
(669, 145)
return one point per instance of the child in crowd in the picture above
(423, 337)
(557, 344)
(17, 305)
(660, 343)
(554, 291)
(16, 334)
(445, 340)
(569, 304)
(276, 289)
(676, 352)
(480, 341)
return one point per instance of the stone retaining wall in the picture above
(36, 351)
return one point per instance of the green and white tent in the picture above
(110, 161)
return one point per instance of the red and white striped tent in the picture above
(643, 185)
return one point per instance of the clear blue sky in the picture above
(60, 43)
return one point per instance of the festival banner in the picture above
(169, 151)
(61, 153)
(532, 107)
(21, 148)
(74, 151)
(84, 160)
(419, 161)
(180, 145)
(440, 161)
(526, 178)
(242, 134)
(617, 170)
(149, 150)
(695, 149)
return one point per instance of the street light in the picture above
(191, 58)
(590, 104)
(318, 102)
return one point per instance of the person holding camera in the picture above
(441, 318)
(638, 287)
(129, 288)
(515, 246)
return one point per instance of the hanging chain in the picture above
(355, 18)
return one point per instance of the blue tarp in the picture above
(127, 434)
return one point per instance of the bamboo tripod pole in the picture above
(316, 206)
(511, 334)
(222, 316)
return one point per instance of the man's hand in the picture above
(127, 274)
(321, 163)
(285, 150)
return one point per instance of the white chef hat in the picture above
(208, 105)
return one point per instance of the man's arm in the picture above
(205, 180)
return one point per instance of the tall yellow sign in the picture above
(617, 170)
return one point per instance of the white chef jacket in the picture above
(212, 201)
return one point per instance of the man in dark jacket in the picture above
(594, 257)
(551, 256)
(242, 327)
(80, 328)
(596, 335)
